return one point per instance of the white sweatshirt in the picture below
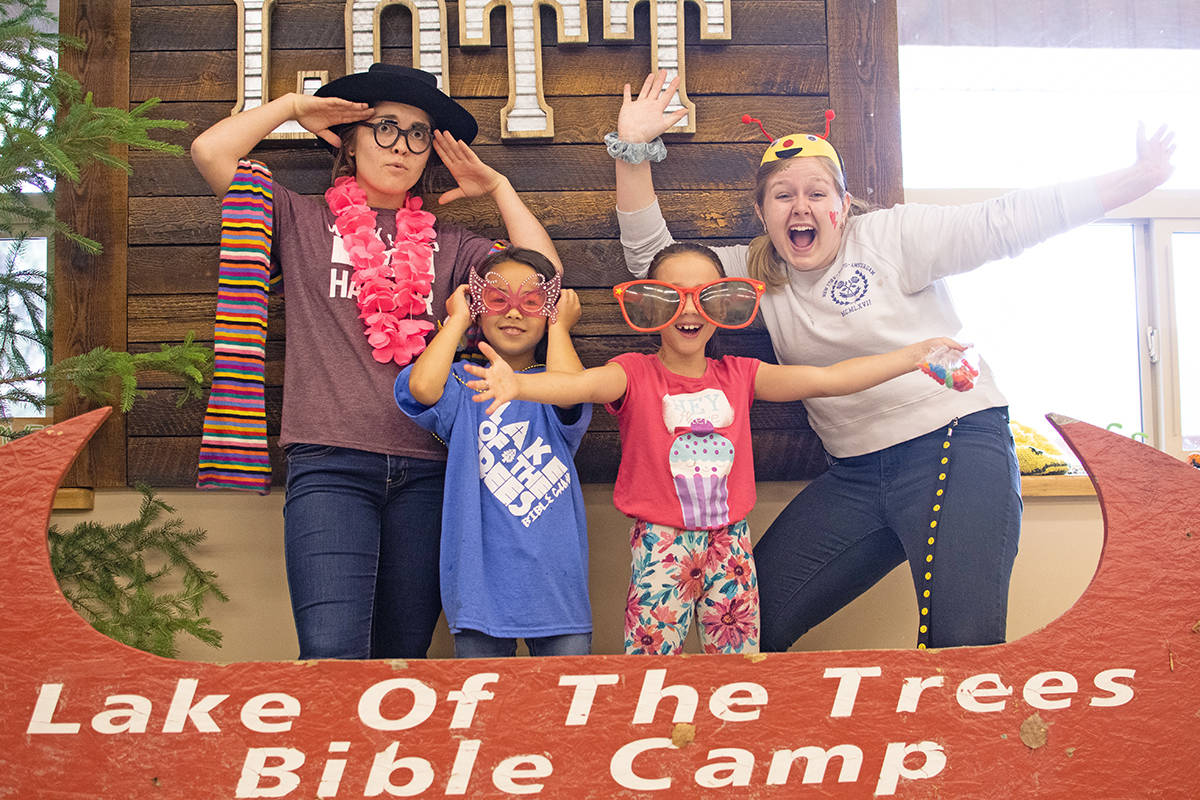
(884, 290)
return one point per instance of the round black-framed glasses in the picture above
(387, 132)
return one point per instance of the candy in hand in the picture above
(952, 368)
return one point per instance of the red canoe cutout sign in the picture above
(1102, 703)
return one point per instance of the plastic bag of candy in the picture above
(954, 369)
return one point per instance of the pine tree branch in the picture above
(105, 574)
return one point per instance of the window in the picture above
(1093, 324)
(1056, 325)
(24, 261)
(1185, 317)
(25, 253)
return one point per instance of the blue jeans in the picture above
(475, 644)
(362, 533)
(856, 522)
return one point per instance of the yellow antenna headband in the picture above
(798, 145)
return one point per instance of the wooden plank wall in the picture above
(776, 67)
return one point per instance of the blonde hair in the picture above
(763, 262)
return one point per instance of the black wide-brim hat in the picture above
(414, 87)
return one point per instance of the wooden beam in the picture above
(89, 291)
(1057, 486)
(864, 91)
(74, 500)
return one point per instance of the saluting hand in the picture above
(318, 114)
(474, 178)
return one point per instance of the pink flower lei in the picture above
(390, 289)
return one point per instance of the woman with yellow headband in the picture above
(916, 474)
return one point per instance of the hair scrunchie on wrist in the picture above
(635, 152)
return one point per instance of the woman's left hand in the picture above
(1154, 154)
(474, 178)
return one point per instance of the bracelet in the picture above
(635, 152)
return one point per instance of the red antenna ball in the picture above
(748, 120)
(829, 115)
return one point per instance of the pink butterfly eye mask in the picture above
(535, 297)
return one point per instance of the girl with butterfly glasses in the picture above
(514, 532)
(686, 475)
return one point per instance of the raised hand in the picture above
(1154, 154)
(645, 118)
(474, 178)
(568, 310)
(318, 114)
(458, 306)
(498, 382)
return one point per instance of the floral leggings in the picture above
(679, 573)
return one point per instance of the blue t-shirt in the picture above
(514, 530)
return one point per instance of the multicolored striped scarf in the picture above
(233, 449)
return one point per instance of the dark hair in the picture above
(684, 247)
(530, 258)
(712, 348)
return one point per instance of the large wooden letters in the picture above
(666, 43)
(526, 114)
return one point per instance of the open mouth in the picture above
(689, 329)
(802, 236)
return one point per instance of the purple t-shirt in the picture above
(334, 392)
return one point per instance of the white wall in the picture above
(1060, 548)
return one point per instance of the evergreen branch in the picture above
(93, 373)
(51, 129)
(104, 573)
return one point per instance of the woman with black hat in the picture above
(366, 271)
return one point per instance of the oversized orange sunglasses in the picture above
(650, 305)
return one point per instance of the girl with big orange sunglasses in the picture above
(687, 474)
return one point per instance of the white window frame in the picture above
(1168, 371)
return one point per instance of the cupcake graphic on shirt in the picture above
(700, 461)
